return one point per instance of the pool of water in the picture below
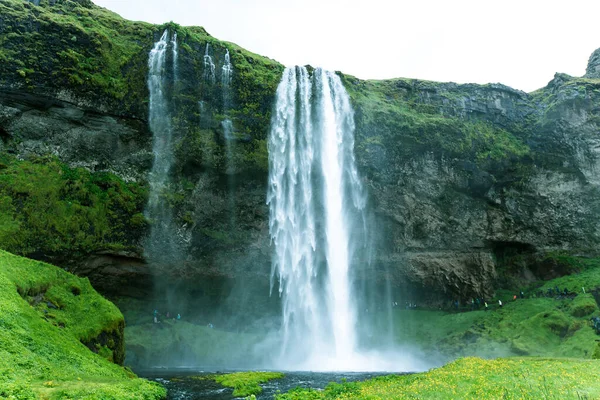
(194, 384)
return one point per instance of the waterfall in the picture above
(227, 71)
(175, 51)
(315, 200)
(209, 66)
(161, 244)
(226, 76)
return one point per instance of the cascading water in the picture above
(175, 54)
(227, 70)
(161, 244)
(209, 66)
(314, 195)
(226, 76)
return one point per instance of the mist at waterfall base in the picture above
(320, 311)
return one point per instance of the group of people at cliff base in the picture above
(478, 303)
(556, 292)
(473, 304)
(167, 316)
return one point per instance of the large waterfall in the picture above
(161, 244)
(316, 199)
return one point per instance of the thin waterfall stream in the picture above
(161, 245)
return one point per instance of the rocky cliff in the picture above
(470, 186)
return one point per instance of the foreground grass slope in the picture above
(47, 314)
(475, 378)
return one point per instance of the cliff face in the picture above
(509, 174)
(467, 183)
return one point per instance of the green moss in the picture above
(246, 383)
(253, 88)
(46, 315)
(468, 378)
(48, 208)
(392, 115)
(583, 305)
(84, 47)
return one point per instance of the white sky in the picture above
(520, 43)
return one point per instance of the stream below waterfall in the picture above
(183, 384)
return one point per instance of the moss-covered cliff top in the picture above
(79, 52)
(47, 315)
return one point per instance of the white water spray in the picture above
(175, 54)
(226, 77)
(314, 195)
(161, 244)
(209, 66)
(318, 229)
(227, 70)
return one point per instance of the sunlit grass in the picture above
(246, 383)
(475, 378)
(41, 350)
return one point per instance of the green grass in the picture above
(246, 383)
(536, 327)
(475, 378)
(47, 315)
(588, 279)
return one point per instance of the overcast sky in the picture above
(519, 43)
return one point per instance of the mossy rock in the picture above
(58, 212)
(583, 305)
(596, 354)
(556, 322)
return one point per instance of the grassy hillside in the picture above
(537, 325)
(46, 317)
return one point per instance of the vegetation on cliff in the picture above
(52, 324)
(75, 46)
(407, 116)
(50, 210)
(86, 55)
